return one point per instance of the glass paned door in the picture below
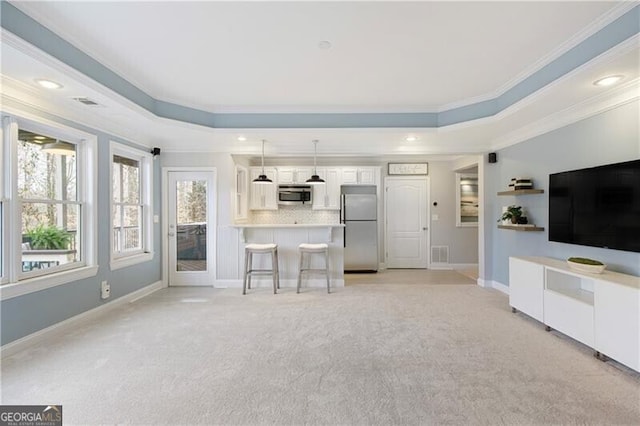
(190, 228)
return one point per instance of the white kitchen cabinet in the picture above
(241, 205)
(526, 287)
(617, 322)
(294, 175)
(264, 196)
(599, 310)
(359, 175)
(327, 196)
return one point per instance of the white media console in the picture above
(599, 310)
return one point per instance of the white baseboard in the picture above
(460, 266)
(33, 338)
(483, 283)
(284, 283)
(440, 266)
(493, 284)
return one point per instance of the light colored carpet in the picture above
(374, 354)
(409, 276)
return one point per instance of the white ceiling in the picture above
(264, 57)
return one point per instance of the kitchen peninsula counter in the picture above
(327, 226)
(288, 236)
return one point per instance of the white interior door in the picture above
(191, 227)
(406, 230)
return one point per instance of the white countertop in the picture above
(289, 225)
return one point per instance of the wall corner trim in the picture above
(25, 342)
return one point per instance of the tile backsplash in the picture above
(294, 214)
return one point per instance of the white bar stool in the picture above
(310, 249)
(249, 251)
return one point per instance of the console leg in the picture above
(547, 328)
(514, 310)
(602, 357)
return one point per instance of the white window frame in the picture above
(122, 260)
(17, 283)
(4, 258)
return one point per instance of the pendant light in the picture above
(315, 179)
(59, 148)
(262, 178)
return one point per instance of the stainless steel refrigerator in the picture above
(358, 212)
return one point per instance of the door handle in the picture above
(424, 228)
(172, 234)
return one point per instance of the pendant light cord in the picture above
(263, 156)
(315, 154)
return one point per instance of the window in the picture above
(50, 211)
(131, 240)
(3, 223)
(47, 205)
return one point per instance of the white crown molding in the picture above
(621, 49)
(18, 97)
(622, 95)
(35, 53)
(307, 109)
(601, 22)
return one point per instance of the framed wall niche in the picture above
(466, 199)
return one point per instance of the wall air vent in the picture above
(86, 101)
(439, 254)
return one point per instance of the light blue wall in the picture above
(609, 137)
(27, 314)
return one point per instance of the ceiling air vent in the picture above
(86, 101)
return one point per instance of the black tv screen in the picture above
(598, 207)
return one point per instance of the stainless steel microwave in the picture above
(294, 194)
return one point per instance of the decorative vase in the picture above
(514, 220)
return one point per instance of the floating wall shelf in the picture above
(522, 192)
(521, 228)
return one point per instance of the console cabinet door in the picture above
(617, 322)
(526, 287)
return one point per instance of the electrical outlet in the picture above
(105, 290)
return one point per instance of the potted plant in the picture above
(513, 213)
(49, 238)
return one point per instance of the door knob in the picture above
(424, 228)
(172, 234)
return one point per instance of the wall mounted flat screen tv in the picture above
(598, 206)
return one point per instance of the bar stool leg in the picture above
(246, 269)
(326, 265)
(276, 268)
(299, 272)
(249, 267)
(274, 274)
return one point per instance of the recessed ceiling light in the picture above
(608, 81)
(411, 139)
(48, 84)
(242, 138)
(324, 44)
